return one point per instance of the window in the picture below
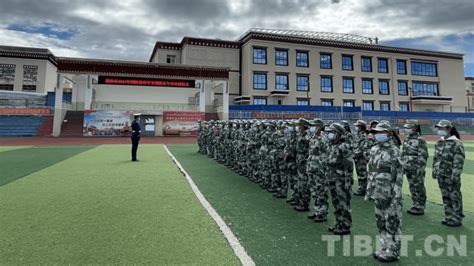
(281, 57)
(302, 59)
(325, 61)
(424, 69)
(368, 105)
(402, 88)
(326, 84)
(259, 101)
(401, 67)
(472, 87)
(302, 101)
(384, 88)
(404, 107)
(366, 64)
(302, 82)
(347, 62)
(348, 103)
(281, 82)
(367, 87)
(259, 81)
(326, 102)
(348, 85)
(425, 88)
(171, 59)
(30, 77)
(384, 106)
(260, 55)
(382, 65)
(7, 76)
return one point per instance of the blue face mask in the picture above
(381, 137)
(288, 130)
(442, 133)
(313, 129)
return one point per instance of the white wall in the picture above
(47, 75)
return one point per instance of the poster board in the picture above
(181, 123)
(107, 123)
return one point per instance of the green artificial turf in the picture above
(16, 163)
(99, 208)
(274, 234)
(9, 148)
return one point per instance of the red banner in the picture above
(181, 123)
(292, 115)
(25, 111)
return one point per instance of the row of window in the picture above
(325, 62)
(420, 88)
(367, 105)
(7, 77)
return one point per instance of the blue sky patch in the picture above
(50, 30)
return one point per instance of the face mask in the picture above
(297, 129)
(288, 130)
(408, 131)
(357, 129)
(381, 137)
(442, 133)
(331, 136)
(313, 129)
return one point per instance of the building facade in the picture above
(306, 68)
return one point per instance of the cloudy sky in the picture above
(128, 29)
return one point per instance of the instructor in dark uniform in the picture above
(136, 130)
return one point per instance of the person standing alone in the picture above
(136, 131)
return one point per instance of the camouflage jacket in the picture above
(449, 158)
(339, 160)
(302, 146)
(385, 177)
(360, 145)
(289, 152)
(278, 145)
(318, 146)
(414, 153)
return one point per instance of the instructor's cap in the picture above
(444, 123)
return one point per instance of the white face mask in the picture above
(313, 129)
(408, 131)
(331, 136)
(381, 137)
(442, 133)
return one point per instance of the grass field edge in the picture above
(234, 243)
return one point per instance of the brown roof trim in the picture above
(347, 45)
(123, 68)
(28, 53)
(194, 41)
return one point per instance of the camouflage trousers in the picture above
(264, 165)
(361, 170)
(278, 179)
(340, 188)
(292, 178)
(388, 217)
(319, 192)
(416, 182)
(452, 198)
(303, 193)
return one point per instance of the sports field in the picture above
(90, 204)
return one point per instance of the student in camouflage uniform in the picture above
(303, 195)
(265, 162)
(316, 169)
(361, 148)
(289, 152)
(385, 189)
(448, 163)
(414, 156)
(278, 182)
(339, 176)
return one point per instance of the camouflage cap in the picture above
(336, 127)
(303, 122)
(444, 123)
(317, 122)
(382, 127)
(360, 123)
(411, 124)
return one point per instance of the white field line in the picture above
(234, 243)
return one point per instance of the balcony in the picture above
(279, 93)
(244, 99)
(433, 99)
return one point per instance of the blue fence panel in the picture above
(51, 98)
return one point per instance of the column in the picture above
(225, 101)
(58, 107)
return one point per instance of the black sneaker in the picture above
(359, 192)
